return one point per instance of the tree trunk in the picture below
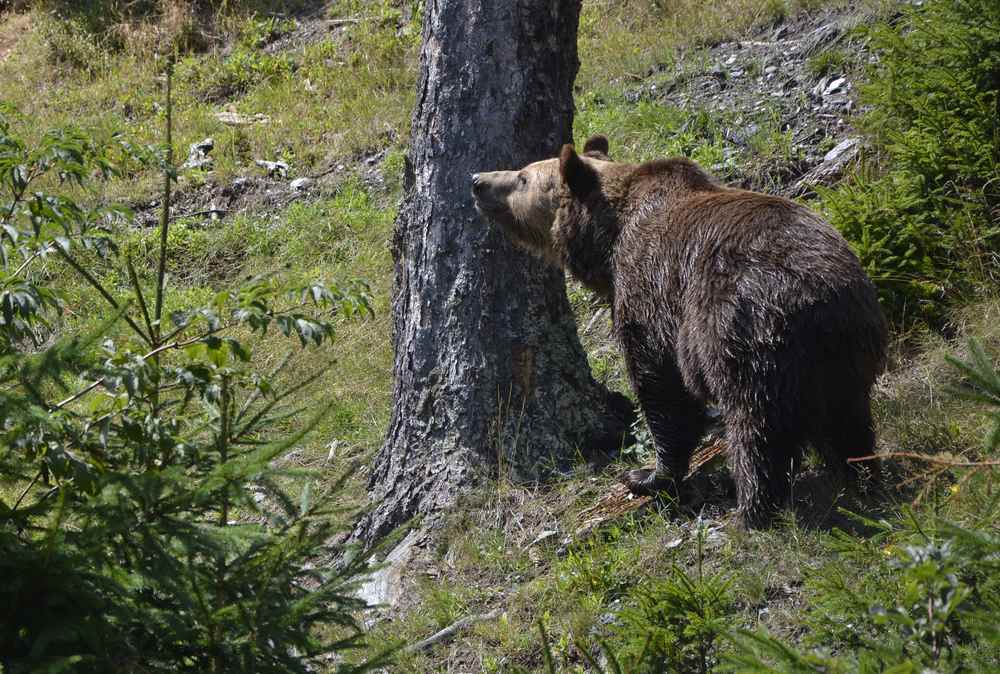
(489, 371)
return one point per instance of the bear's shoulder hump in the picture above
(676, 169)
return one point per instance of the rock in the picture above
(835, 86)
(239, 184)
(198, 155)
(844, 146)
(331, 455)
(203, 147)
(741, 136)
(275, 169)
(830, 169)
(821, 37)
(204, 163)
(301, 184)
(385, 586)
(770, 70)
(817, 91)
(839, 103)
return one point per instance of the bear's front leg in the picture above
(676, 421)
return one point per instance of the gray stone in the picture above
(385, 586)
(275, 169)
(817, 91)
(301, 184)
(198, 155)
(836, 85)
(844, 146)
(830, 169)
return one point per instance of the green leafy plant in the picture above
(597, 568)
(232, 76)
(981, 385)
(673, 624)
(919, 598)
(143, 521)
(827, 62)
(927, 226)
(259, 31)
(916, 594)
(676, 622)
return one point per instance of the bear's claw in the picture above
(645, 482)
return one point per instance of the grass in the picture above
(828, 62)
(326, 101)
(625, 41)
(350, 92)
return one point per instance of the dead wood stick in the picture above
(596, 317)
(452, 629)
(927, 458)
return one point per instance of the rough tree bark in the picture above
(489, 371)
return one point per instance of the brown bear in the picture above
(720, 296)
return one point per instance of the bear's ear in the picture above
(596, 144)
(581, 179)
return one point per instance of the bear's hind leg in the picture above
(676, 421)
(764, 458)
(850, 434)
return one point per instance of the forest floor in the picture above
(307, 110)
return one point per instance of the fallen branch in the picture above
(928, 458)
(158, 350)
(596, 317)
(454, 628)
(938, 465)
(218, 212)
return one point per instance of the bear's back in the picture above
(680, 217)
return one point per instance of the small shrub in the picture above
(827, 62)
(919, 595)
(927, 227)
(259, 32)
(71, 44)
(143, 525)
(223, 79)
(598, 568)
(676, 623)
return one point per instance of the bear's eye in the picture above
(522, 179)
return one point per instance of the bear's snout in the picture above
(478, 184)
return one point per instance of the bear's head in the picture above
(524, 203)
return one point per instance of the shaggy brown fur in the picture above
(748, 301)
